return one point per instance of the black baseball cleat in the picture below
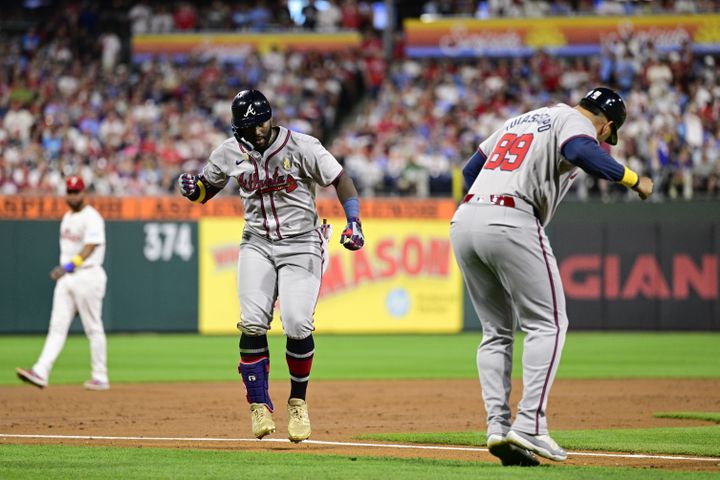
(509, 454)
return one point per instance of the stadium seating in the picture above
(73, 101)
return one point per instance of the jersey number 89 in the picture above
(509, 152)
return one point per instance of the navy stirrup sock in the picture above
(299, 356)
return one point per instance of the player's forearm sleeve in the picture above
(472, 168)
(587, 154)
(351, 207)
(204, 191)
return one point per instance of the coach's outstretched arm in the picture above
(352, 236)
(587, 154)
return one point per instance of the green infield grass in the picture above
(701, 441)
(65, 462)
(707, 416)
(188, 357)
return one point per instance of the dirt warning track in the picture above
(215, 416)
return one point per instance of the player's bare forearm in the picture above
(87, 250)
(76, 261)
(345, 188)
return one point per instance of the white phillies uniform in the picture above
(507, 263)
(281, 253)
(81, 291)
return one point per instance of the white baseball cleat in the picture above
(96, 385)
(29, 376)
(542, 445)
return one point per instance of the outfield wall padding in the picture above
(637, 266)
(625, 266)
(152, 273)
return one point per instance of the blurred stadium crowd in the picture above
(72, 101)
(429, 115)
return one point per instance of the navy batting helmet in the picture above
(250, 108)
(609, 103)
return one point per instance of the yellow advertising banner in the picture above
(405, 280)
(453, 37)
(219, 243)
(240, 44)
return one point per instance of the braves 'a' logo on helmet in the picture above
(250, 108)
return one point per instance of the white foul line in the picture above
(346, 444)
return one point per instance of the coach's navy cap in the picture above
(611, 105)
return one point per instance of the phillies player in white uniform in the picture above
(282, 248)
(517, 178)
(80, 288)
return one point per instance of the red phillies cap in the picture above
(74, 184)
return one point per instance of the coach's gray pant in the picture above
(512, 276)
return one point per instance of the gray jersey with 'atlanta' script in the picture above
(278, 186)
(524, 158)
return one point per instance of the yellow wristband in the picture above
(203, 192)
(77, 260)
(629, 179)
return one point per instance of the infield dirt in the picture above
(340, 411)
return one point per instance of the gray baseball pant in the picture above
(290, 269)
(512, 276)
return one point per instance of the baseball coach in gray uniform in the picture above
(516, 179)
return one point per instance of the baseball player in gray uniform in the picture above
(516, 180)
(282, 248)
(80, 288)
